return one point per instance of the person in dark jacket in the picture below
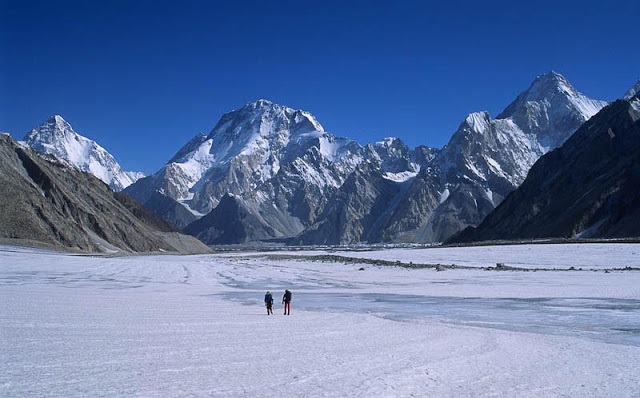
(268, 301)
(286, 300)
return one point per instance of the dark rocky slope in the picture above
(43, 200)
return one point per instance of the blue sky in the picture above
(143, 77)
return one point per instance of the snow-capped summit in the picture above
(263, 107)
(547, 84)
(551, 109)
(633, 91)
(488, 158)
(395, 159)
(541, 118)
(246, 150)
(56, 137)
(261, 126)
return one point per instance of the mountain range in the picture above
(587, 188)
(273, 173)
(270, 173)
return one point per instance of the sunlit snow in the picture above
(196, 325)
(402, 176)
(58, 138)
(444, 195)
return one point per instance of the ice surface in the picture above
(586, 256)
(196, 326)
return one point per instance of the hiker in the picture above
(286, 299)
(268, 301)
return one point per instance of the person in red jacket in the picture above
(286, 300)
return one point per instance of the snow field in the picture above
(168, 326)
(559, 256)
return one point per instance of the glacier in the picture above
(196, 325)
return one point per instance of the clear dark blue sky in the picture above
(143, 77)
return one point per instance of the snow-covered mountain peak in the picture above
(261, 103)
(249, 147)
(266, 110)
(390, 142)
(262, 118)
(633, 91)
(497, 153)
(550, 110)
(56, 137)
(477, 121)
(548, 84)
(54, 128)
(552, 91)
(260, 126)
(59, 121)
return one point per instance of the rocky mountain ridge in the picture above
(44, 200)
(486, 159)
(587, 188)
(301, 184)
(56, 137)
(632, 92)
(267, 172)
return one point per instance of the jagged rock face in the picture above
(56, 137)
(393, 156)
(232, 221)
(495, 153)
(361, 201)
(488, 158)
(249, 146)
(632, 92)
(277, 162)
(45, 200)
(245, 153)
(423, 154)
(586, 188)
(311, 187)
(170, 210)
(407, 220)
(354, 210)
(551, 109)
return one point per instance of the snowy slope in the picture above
(551, 109)
(633, 91)
(176, 326)
(56, 137)
(248, 147)
(285, 167)
(396, 160)
(540, 119)
(586, 188)
(486, 159)
(281, 163)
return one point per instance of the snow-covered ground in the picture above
(549, 256)
(163, 326)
